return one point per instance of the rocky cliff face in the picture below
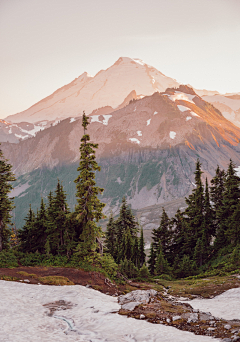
(147, 151)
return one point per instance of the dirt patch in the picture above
(61, 276)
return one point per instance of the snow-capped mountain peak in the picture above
(108, 87)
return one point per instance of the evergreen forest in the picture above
(201, 240)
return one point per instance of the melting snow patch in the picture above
(92, 317)
(155, 113)
(194, 114)
(148, 122)
(72, 120)
(225, 306)
(135, 140)
(183, 108)
(193, 184)
(188, 118)
(172, 134)
(106, 118)
(139, 133)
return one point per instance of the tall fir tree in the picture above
(162, 234)
(89, 207)
(6, 203)
(162, 265)
(152, 260)
(142, 254)
(25, 234)
(110, 237)
(194, 213)
(126, 228)
(231, 198)
(179, 236)
(39, 231)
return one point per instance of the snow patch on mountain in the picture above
(155, 113)
(182, 108)
(134, 140)
(139, 133)
(72, 120)
(188, 118)
(194, 114)
(172, 134)
(106, 118)
(148, 122)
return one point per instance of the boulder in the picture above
(140, 296)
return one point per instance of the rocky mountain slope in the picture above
(147, 151)
(107, 88)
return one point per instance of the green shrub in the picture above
(128, 269)
(144, 272)
(8, 259)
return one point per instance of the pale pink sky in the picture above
(45, 44)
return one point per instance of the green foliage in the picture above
(89, 208)
(144, 272)
(6, 203)
(8, 259)
(128, 269)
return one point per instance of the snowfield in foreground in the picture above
(226, 305)
(92, 317)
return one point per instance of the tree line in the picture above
(181, 246)
(209, 227)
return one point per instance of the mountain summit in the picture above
(108, 87)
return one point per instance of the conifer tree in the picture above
(89, 207)
(26, 233)
(136, 252)
(39, 237)
(152, 260)
(194, 213)
(126, 221)
(177, 246)
(162, 233)
(142, 254)
(209, 227)
(6, 203)
(110, 240)
(231, 198)
(162, 265)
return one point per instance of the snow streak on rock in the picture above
(172, 134)
(135, 140)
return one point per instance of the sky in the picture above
(46, 44)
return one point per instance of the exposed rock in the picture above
(130, 306)
(193, 317)
(227, 326)
(139, 296)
